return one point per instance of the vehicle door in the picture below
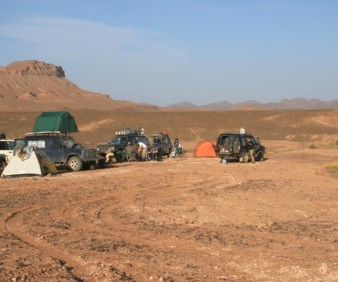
(219, 144)
(55, 149)
(244, 146)
(129, 145)
(257, 145)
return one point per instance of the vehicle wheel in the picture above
(93, 165)
(236, 147)
(260, 156)
(246, 158)
(75, 163)
(100, 164)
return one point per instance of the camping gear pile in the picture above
(27, 162)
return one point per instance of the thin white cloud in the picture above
(85, 36)
(115, 60)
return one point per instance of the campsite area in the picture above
(182, 219)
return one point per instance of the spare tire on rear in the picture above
(236, 147)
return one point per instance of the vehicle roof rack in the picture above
(53, 133)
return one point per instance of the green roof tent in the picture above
(55, 122)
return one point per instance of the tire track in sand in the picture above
(76, 270)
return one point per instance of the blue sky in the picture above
(167, 51)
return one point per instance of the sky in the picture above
(163, 52)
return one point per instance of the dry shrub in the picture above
(333, 168)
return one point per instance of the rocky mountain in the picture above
(286, 104)
(183, 105)
(38, 86)
(304, 104)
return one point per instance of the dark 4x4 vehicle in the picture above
(233, 146)
(61, 149)
(162, 142)
(124, 144)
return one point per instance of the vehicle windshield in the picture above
(157, 140)
(143, 139)
(67, 141)
(120, 140)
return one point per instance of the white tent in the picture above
(28, 162)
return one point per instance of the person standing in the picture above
(251, 149)
(141, 151)
(159, 153)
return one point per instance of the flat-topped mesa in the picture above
(39, 68)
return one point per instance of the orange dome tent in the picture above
(205, 149)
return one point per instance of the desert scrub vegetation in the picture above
(332, 168)
(312, 146)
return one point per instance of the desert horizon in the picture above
(303, 125)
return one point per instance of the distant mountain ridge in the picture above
(286, 104)
(38, 86)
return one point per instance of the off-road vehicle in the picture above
(233, 146)
(160, 144)
(61, 149)
(124, 144)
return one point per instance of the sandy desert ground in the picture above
(182, 219)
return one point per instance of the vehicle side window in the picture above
(226, 141)
(3, 146)
(10, 145)
(37, 143)
(243, 141)
(54, 144)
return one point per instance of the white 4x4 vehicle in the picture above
(6, 147)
